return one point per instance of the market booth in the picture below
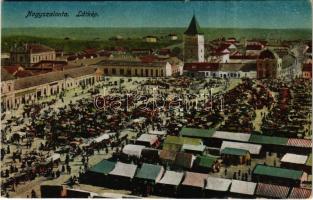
(193, 185)
(148, 140)
(184, 160)
(122, 174)
(277, 175)
(217, 187)
(271, 191)
(150, 155)
(206, 164)
(253, 149)
(242, 189)
(234, 156)
(132, 150)
(51, 191)
(147, 177)
(97, 174)
(169, 183)
(167, 157)
(300, 193)
(294, 161)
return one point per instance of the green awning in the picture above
(262, 139)
(182, 140)
(205, 161)
(172, 147)
(149, 172)
(196, 132)
(277, 172)
(234, 151)
(103, 167)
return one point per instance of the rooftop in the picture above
(277, 172)
(193, 28)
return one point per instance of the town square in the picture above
(173, 113)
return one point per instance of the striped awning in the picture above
(299, 193)
(272, 191)
(299, 142)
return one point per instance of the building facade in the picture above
(193, 43)
(30, 89)
(269, 65)
(139, 68)
(29, 54)
(7, 89)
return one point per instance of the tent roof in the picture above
(294, 158)
(218, 184)
(277, 172)
(149, 172)
(205, 161)
(272, 191)
(184, 160)
(124, 169)
(243, 187)
(168, 155)
(133, 150)
(148, 138)
(157, 132)
(300, 193)
(172, 178)
(234, 151)
(244, 137)
(190, 147)
(196, 132)
(263, 139)
(252, 148)
(194, 179)
(182, 140)
(103, 167)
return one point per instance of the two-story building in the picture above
(29, 54)
(7, 89)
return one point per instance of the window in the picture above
(113, 71)
(106, 71)
(136, 73)
(121, 71)
(151, 72)
(141, 72)
(147, 72)
(129, 72)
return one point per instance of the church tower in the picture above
(193, 42)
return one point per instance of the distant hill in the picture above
(105, 33)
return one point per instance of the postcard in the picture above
(156, 99)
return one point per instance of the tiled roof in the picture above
(5, 75)
(132, 63)
(201, 66)
(52, 77)
(23, 73)
(38, 48)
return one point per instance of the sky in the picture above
(220, 14)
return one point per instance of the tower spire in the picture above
(194, 28)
